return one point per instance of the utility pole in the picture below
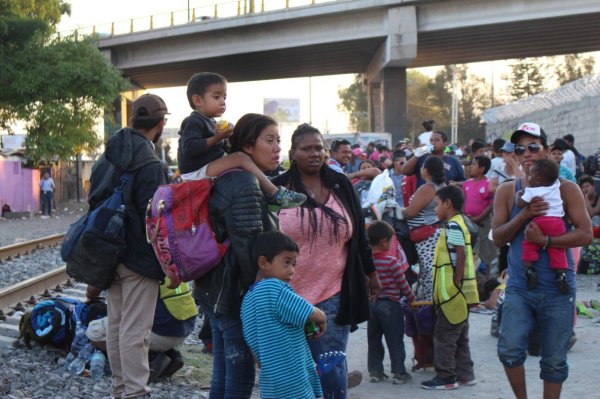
(454, 116)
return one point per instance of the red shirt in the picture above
(391, 277)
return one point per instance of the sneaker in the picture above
(561, 282)
(440, 383)
(44, 217)
(469, 383)
(401, 378)
(284, 199)
(354, 379)
(532, 280)
(377, 377)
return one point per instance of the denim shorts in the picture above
(552, 314)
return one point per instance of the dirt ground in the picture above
(584, 362)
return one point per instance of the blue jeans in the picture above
(552, 315)
(47, 202)
(334, 383)
(387, 321)
(233, 365)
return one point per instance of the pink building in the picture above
(19, 187)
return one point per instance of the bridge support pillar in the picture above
(388, 110)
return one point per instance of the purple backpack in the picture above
(179, 229)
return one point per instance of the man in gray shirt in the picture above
(47, 192)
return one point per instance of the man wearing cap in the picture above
(137, 278)
(544, 307)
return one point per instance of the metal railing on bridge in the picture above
(222, 9)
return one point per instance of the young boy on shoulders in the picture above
(387, 319)
(201, 150)
(454, 289)
(273, 323)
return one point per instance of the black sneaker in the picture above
(377, 377)
(531, 276)
(561, 282)
(439, 383)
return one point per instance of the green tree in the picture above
(354, 101)
(526, 78)
(473, 99)
(422, 104)
(573, 67)
(58, 86)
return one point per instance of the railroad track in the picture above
(22, 248)
(25, 294)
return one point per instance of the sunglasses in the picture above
(532, 147)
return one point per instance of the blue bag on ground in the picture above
(94, 244)
(50, 322)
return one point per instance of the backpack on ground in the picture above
(590, 165)
(94, 244)
(50, 323)
(179, 229)
(88, 312)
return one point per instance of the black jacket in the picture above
(354, 298)
(193, 151)
(127, 150)
(238, 212)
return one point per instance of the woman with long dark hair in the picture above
(335, 257)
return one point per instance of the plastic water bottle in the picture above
(79, 340)
(116, 222)
(426, 149)
(97, 365)
(78, 364)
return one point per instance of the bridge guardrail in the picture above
(228, 9)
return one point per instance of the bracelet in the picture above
(548, 242)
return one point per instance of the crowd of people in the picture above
(303, 268)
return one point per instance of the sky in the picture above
(318, 96)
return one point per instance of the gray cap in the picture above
(508, 147)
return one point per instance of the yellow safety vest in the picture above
(179, 301)
(454, 300)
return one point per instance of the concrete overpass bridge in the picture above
(379, 38)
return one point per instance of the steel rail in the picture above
(21, 292)
(21, 248)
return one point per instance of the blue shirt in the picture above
(47, 185)
(273, 318)
(565, 173)
(452, 167)
(397, 179)
(335, 165)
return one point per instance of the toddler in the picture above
(201, 150)
(543, 182)
(387, 319)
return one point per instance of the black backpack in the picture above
(590, 165)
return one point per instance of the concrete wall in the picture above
(556, 112)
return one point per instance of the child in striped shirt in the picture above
(386, 312)
(273, 323)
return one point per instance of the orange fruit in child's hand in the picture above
(222, 126)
